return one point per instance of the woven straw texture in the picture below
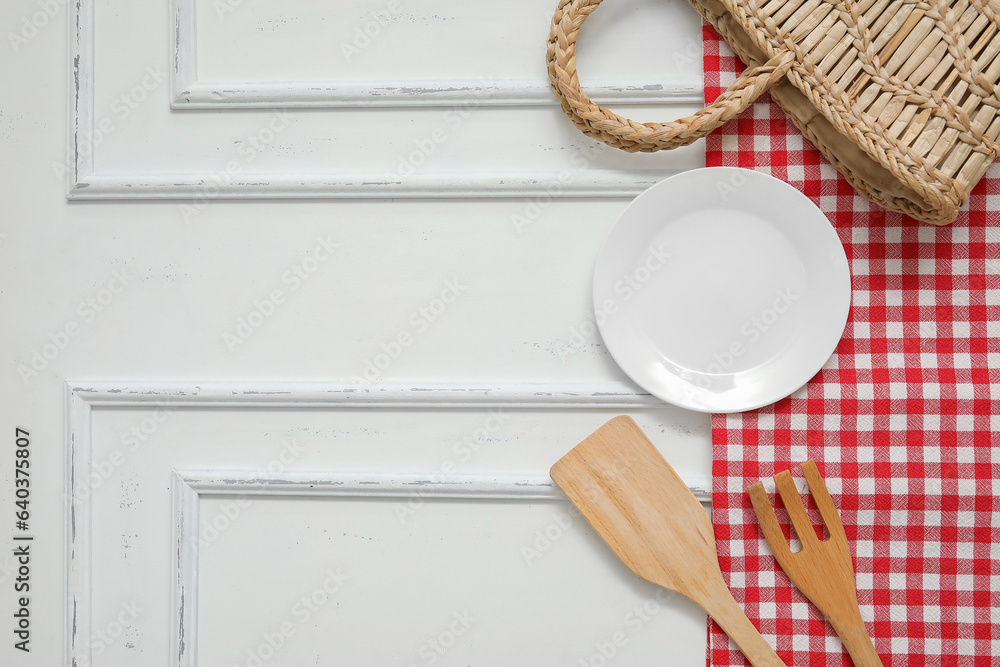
(899, 95)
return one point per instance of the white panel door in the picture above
(297, 318)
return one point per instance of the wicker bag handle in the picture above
(628, 135)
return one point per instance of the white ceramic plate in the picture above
(722, 290)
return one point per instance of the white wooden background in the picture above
(298, 317)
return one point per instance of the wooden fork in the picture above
(822, 570)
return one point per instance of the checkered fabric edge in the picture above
(903, 421)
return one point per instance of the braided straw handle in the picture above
(628, 135)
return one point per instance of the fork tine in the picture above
(817, 487)
(796, 511)
(769, 523)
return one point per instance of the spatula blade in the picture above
(651, 520)
(640, 507)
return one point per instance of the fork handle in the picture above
(721, 606)
(850, 627)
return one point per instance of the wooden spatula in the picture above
(652, 521)
(822, 570)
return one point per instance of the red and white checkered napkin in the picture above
(903, 421)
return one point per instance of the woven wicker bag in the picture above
(898, 94)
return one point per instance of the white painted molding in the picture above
(80, 162)
(85, 182)
(350, 394)
(189, 92)
(183, 47)
(190, 486)
(184, 569)
(385, 94)
(359, 185)
(82, 398)
(370, 485)
(78, 543)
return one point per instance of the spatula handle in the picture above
(730, 616)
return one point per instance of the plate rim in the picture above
(749, 174)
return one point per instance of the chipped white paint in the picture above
(356, 185)
(207, 178)
(394, 94)
(189, 486)
(334, 484)
(190, 92)
(617, 395)
(184, 565)
(79, 162)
